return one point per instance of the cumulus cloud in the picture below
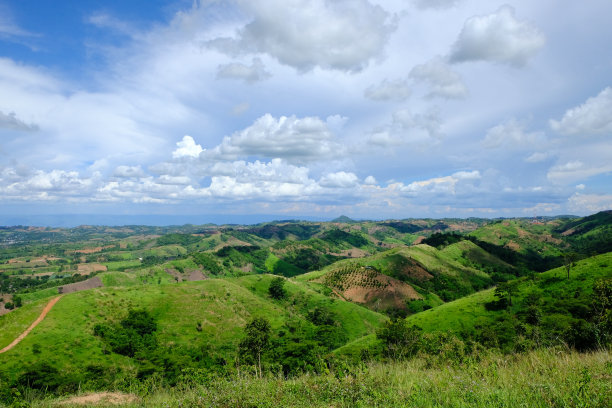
(11, 122)
(128, 172)
(370, 181)
(444, 185)
(395, 90)
(250, 74)
(593, 117)
(187, 148)
(46, 185)
(339, 179)
(295, 139)
(589, 203)
(576, 170)
(444, 82)
(498, 37)
(511, 134)
(343, 35)
(407, 127)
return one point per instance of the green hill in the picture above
(199, 324)
(529, 311)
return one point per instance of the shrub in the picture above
(276, 289)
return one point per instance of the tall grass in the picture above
(543, 378)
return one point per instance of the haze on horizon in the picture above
(295, 108)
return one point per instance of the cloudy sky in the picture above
(315, 108)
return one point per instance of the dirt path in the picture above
(33, 325)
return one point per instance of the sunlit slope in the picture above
(548, 300)
(522, 236)
(218, 307)
(433, 274)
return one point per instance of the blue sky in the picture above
(373, 109)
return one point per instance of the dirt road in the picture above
(33, 325)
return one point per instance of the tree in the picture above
(401, 340)
(569, 259)
(506, 290)
(276, 289)
(257, 341)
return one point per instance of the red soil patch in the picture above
(33, 325)
(513, 246)
(369, 287)
(90, 283)
(419, 239)
(190, 275)
(5, 299)
(91, 250)
(352, 253)
(88, 268)
(568, 232)
(413, 269)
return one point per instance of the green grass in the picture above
(117, 265)
(545, 378)
(222, 307)
(469, 311)
(528, 236)
(15, 322)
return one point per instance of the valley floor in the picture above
(543, 378)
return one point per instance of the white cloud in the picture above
(444, 82)
(105, 20)
(343, 35)
(443, 185)
(9, 29)
(511, 134)
(408, 128)
(41, 185)
(370, 181)
(129, 172)
(589, 203)
(435, 4)
(498, 37)
(340, 179)
(576, 170)
(594, 117)
(187, 148)
(537, 157)
(294, 139)
(250, 74)
(11, 122)
(396, 90)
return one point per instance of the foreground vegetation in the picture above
(395, 313)
(543, 378)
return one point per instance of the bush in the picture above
(276, 289)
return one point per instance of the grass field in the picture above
(221, 307)
(469, 311)
(544, 378)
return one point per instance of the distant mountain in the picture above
(343, 219)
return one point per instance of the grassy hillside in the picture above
(531, 310)
(206, 315)
(543, 379)
(592, 234)
(421, 276)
